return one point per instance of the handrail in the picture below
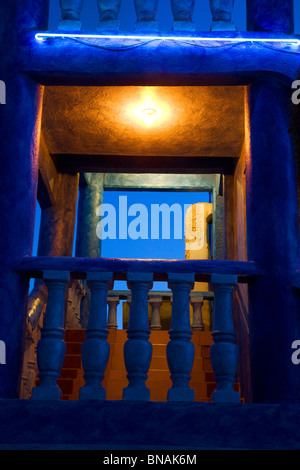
(79, 267)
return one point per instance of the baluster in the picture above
(145, 14)
(155, 303)
(183, 15)
(51, 347)
(138, 349)
(221, 11)
(109, 15)
(113, 303)
(95, 349)
(70, 14)
(224, 351)
(180, 350)
(197, 303)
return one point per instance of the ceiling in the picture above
(188, 121)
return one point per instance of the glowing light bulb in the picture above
(149, 116)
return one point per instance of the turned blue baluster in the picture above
(51, 348)
(95, 349)
(224, 351)
(70, 14)
(145, 14)
(138, 349)
(180, 350)
(109, 11)
(183, 15)
(221, 11)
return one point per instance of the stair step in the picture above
(73, 348)
(205, 351)
(69, 374)
(74, 335)
(66, 386)
(207, 365)
(72, 362)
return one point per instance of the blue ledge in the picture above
(200, 58)
(26, 424)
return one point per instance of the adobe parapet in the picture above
(147, 55)
(220, 58)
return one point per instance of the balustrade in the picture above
(138, 348)
(145, 10)
(156, 299)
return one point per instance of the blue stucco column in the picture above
(20, 120)
(90, 197)
(272, 242)
(270, 15)
(88, 245)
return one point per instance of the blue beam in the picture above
(170, 61)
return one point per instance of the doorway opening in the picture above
(147, 225)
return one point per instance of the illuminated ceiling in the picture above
(188, 121)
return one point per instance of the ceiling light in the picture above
(149, 116)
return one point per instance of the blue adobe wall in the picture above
(19, 137)
(43, 425)
(270, 15)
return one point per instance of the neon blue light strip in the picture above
(42, 36)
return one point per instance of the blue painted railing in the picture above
(182, 11)
(223, 277)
